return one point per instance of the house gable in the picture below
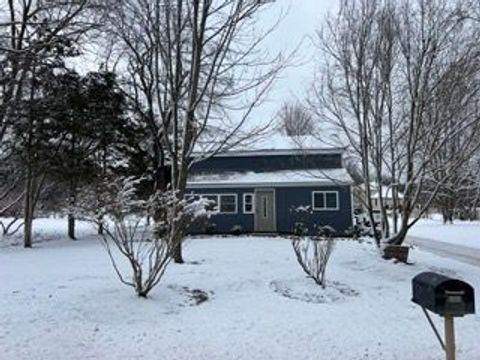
(261, 162)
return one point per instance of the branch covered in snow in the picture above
(147, 245)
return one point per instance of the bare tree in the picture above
(380, 85)
(196, 72)
(295, 120)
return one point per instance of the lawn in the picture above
(62, 300)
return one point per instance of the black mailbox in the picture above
(443, 295)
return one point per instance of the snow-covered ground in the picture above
(61, 300)
(464, 233)
(47, 229)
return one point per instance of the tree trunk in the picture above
(444, 216)
(177, 252)
(399, 238)
(27, 226)
(71, 226)
(28, 211)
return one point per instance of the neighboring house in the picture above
(387, 198)
(359, 192)
(270, 190)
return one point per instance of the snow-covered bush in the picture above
(313, 253)
(300, 215)
(300, 229)
(147, 247)
(236, 230)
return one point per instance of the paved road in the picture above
(458, 252)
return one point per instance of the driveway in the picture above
(457, 252)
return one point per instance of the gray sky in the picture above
(303, 17)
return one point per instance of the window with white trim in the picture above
(221, 203)
(325, 200)
(248, 203)
(212, 202)
(228, 203)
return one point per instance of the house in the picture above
(387, 197)
(270, 189)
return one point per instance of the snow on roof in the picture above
(272, 178)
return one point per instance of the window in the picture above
(221, 203)
(228, 203)
(248, 203)
(325, 200)
(213, 202)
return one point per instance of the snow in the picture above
(62, 300)
(465, 233)
(279, 178)
(48, 229)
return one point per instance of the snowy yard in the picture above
(62, 300)
(464, 233)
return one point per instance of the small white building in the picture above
(387, 196)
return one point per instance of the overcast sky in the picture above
(301, 19)
(300, 22)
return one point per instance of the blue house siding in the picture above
(286, 199)
(262, 163)
(224, 223)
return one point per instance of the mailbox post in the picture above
(446, 297)
(449, 338)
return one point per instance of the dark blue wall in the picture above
(225, 222)
(289, 198)
(261, 163)
(286, 198)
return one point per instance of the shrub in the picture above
(147, 248)
(313, 253)
(300, 229)
(236, 230)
